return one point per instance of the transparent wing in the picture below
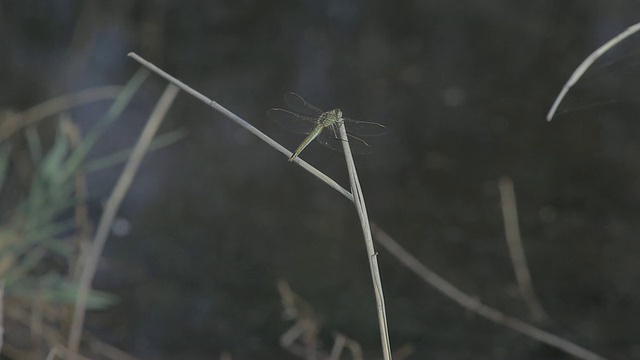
(292, 122)
(296, 103)
(364, 128)
(330, 138)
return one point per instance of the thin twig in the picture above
(580, 70)
(473, 304)
(361, 208)
(516, 249)
(235, 118)
(392, 246)
(110, 211)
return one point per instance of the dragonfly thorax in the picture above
(331, 117)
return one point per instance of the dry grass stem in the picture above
(306, 326)
(238, 120)
(302, 339)
(110, 211)
(372, 255)
(580, 70)
(473, 304)
(516, 249)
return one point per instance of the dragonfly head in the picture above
(337, 113)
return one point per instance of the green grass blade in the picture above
(122, 155)
(121, 102)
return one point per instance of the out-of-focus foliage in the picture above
(42, 242)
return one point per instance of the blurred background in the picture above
(212, 222)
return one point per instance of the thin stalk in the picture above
(361, 208)
(582, 68)
(110, 211)
(473, 304)
(236, 119)
(516, 249)
(358, 199)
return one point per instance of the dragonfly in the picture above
(323, 126)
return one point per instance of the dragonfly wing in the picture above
(358, 146)
(364, 128)
(300, 105)
(292, 122)
(331, 139)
